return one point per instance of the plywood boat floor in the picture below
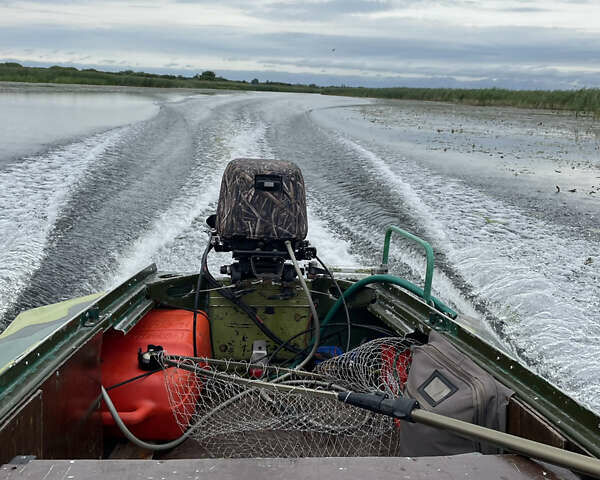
(475, 466)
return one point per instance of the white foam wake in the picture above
(443, 286)
(531, 274)
(32, 194)
(177, 238)
(332, 249)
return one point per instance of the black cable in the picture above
(171, 305)
(374, 328)
(125, 382)
(229, 295)
(281, 347)
(196, 316)
(325, 337)
(343, 300)
(197, 294)
(302, 333)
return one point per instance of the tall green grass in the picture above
(583, 101)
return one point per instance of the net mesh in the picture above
(232, 420)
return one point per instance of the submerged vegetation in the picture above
(583, 100)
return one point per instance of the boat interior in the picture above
(171, 374)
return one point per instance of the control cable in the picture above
(131, 437)
(315, 316)
(328, 272)
(229, 295)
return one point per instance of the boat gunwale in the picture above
(29, 371)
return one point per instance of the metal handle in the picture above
(428, 253)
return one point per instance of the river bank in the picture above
(582, 101)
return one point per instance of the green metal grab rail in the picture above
(425, 293)
(428, 252)
(390, 279)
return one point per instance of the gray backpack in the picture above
(445, 381)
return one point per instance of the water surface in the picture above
(479, 184)
(32, 121)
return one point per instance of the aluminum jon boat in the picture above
(278, 367)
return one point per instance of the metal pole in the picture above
(557, 456)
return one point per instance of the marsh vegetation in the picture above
(581, 101)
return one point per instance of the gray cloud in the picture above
(524, 9)
(307, 10)
(429, 52)
(325, 10)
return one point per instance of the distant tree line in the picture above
(583, 100)
(14, 72)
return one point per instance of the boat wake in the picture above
(83, 217)
(527, 276)
(178, 237)
(33, 192)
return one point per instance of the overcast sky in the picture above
(507, 43)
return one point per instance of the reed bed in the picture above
(584, 101)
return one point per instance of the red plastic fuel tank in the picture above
(143, 404)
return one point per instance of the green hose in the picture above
(401, 282)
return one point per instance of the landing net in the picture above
(232, 420)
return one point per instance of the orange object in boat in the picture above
(394, 369)
(143, 404)
(395, 366)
